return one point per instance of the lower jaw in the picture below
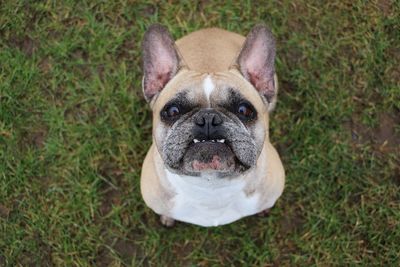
(235, 170)
(212, 173)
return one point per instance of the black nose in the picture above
(208, 118)
(207, 122)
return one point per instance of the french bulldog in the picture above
(211, 161)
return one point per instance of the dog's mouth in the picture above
(211, 156)
(222, 141)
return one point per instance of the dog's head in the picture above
(213, 123)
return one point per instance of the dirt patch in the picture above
(35, 138)
(39, 138)
(201, 5)
(124, 52)
(292, 221)
(384, 137)
(44, 258)
(82, 67)
(111, 170)
(295, 23)
(44, 182)
(45, 65)
(149, 10)
(386, 132)
(184, 250)
(73, 21)
(355, 198)
(287, 88)
(80, 53)
(101, 71)
(4, 211)
(2, 260)
(385, 6)
(103, 258)
(111, 197)
(26, 44)
(125, 249)
(46, 252)
(112, 187)
(288, 248)
(396, 177)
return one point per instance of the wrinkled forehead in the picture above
(209, 90)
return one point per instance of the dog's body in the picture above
(216, 181)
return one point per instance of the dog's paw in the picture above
(167, 221)
(263, 213)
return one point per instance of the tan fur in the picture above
(210, 50)
(154, 194)
(215, 56)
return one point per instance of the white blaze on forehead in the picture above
(208, 87)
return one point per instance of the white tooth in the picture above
(213, 141)
(195, 141)
(203, 141)
(221, 140)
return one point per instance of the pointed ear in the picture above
(160, 60)
(256, 62)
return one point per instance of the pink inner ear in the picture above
(255, 66)
(259, 82)
(255, 80)
(163, 78)
(257, 56)
(156, 83)
(164, 56)
(164, 65)
(160, 60)
(256, 60)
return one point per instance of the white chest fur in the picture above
(210, 201)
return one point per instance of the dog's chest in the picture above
(210, 202)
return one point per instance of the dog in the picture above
(211, 161)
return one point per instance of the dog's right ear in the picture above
(160, 60)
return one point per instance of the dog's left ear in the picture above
(256, 62)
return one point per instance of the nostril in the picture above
(200, 121)
(207, 119)
(216, 120)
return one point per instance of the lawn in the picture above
(74, 129)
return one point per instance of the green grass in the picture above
(74, 129)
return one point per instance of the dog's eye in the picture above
(170, 112)
(245, 112)
(173, 111)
